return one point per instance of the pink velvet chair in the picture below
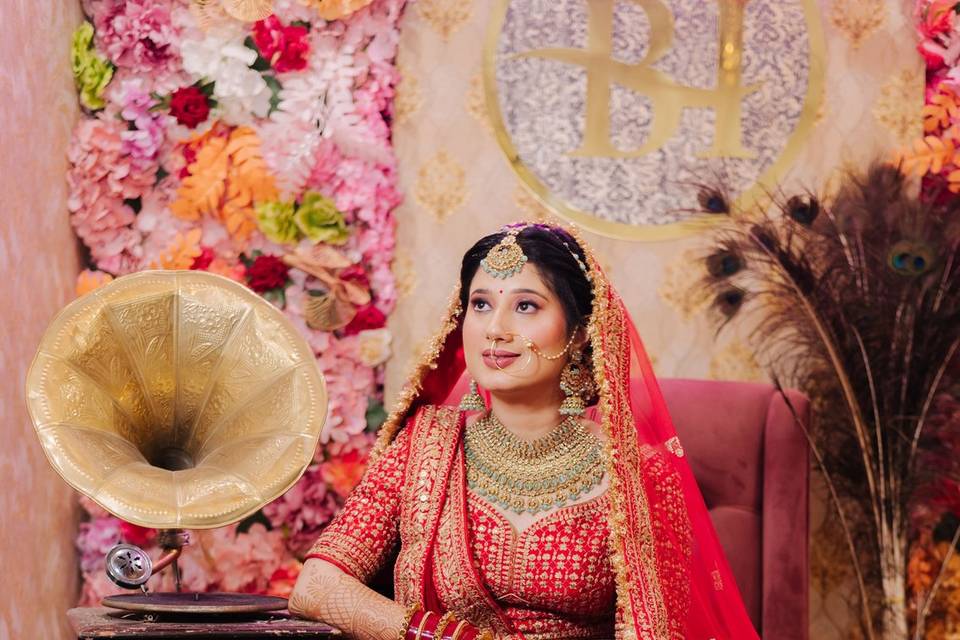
(750, 460)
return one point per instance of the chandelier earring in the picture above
(472, 400)
(577, 385)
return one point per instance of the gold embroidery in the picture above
(717, 580)
(453, 560)
(673, 446)
(445, 16)
(432, 447)
(441, 186)
(427, 362)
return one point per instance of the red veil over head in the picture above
(673, 581)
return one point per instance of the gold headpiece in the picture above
(506, 258)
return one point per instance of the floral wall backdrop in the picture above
(38, 254)
(256, 146)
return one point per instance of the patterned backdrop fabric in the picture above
(259, 150)
(459, 185)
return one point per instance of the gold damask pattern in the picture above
(409, 96)
(445, 16)
(895, 108)
(441, 186)
(857, 20)
(405, 273)
(736, 361)
(475, 102)
(679, 289)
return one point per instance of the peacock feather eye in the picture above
(911, 258)
(713, 201)
(729, 301)
(724, 264)
(803, 210)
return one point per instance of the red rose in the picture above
(203, 260)
(285, 48)
(368, 317)
(267, 272)
(139, 536)
(189, 106)
(357, 274)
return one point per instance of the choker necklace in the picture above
(531, 476)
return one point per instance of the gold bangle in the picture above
(445, 620)
(458, 630)
(407, 617)
(423, 623)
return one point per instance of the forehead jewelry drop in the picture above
(506, 258)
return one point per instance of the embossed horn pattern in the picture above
(176, 399)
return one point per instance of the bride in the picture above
(552, 502)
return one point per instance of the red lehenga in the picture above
(641, 561)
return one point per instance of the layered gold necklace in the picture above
(531, 476)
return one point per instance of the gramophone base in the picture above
(195, 603)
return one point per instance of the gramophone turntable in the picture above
(176, 400)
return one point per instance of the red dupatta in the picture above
(673, 581)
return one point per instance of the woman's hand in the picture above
(325, 593)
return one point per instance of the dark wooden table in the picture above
(101, 622)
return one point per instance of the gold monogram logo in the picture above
(609, 110)
(667, 97)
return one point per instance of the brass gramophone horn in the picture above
(175, 400)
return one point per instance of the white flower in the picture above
(221, 56)
(374, 346)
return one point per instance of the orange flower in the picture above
(88, 280)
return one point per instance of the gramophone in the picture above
(176, 400)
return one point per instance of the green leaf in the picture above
(134, 203)
(275, 88)
(251, 520)
(375, 415)
(261, 63)
(300, 23)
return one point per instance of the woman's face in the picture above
(513, 310)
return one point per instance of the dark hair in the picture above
(549, 248)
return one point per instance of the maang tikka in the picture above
(506, 258)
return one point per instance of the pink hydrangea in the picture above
(101, 177)
(95, 539)
(137, 34)
(145, 139)
(303, 511)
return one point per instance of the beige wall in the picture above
(38, 263)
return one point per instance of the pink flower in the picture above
(285, 48)
(303, 511)
(95, 539)
(97, 586)
(245, 561)
(137, 34)
(144, 141)
(100, 179)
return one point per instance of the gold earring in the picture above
(472, 400)
(576, 384)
